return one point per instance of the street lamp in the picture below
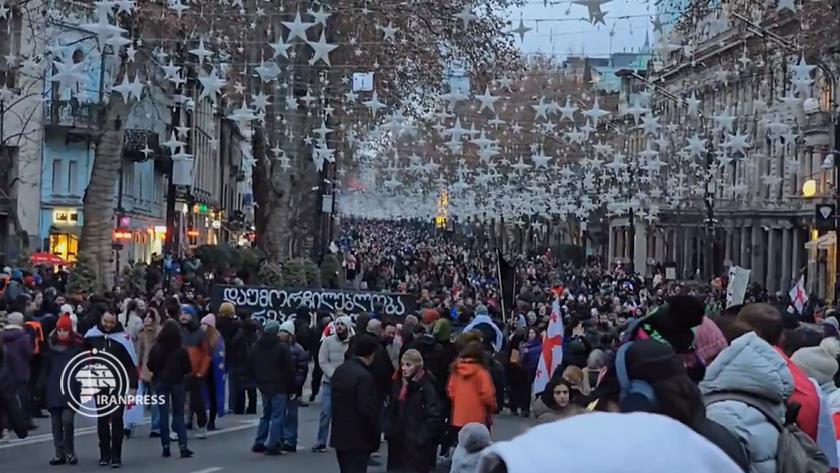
(809, 188)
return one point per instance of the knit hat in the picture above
(442, 331)
(412, 356)
(272, 327)
(474, 437)
(288, 326)
(481, 309)
(816, 362)
(346, 321)
(15, 318)
(188, 309)
(365, 345)
(66, 309)
(226, 309)
(64, 323)
(582, 439)
(209, 319)
(430, 316)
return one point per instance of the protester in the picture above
(170, 365)
(272, 368)
(195, 341)
(215, 378)
(301, 361)
(145, 341)
(243, 393)
(330, 356)
(414, 418)
(558, 401)
(355, 424)
(110, 337)
(470, 388)
(63, 346)
(472, 440)
(18, 350)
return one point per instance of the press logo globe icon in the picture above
(96, 383)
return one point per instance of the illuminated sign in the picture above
(122, 234)
(66, 216)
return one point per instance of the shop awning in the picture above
(822, 243)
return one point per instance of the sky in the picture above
(573, 35)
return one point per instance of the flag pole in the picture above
(501, 287)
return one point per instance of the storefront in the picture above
(822, 259)
(64, 226)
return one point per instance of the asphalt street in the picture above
(227, 450)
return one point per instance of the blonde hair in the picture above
(412, 356)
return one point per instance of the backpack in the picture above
(796, 452)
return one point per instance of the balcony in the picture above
(136, 142)
(73, 116)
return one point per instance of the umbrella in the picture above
(45, 258)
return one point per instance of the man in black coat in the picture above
(355, 412)
(271, 366)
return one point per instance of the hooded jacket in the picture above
(58, 355)
(195, 342)
(331, 354)
(17, 346)
(472, 440)
(471, 390)
(271, 366)
(752, 367)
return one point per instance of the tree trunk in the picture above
(98, 210)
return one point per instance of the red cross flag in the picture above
(798, 296)
(552, 349)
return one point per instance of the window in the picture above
(72, 177)
(57, 184)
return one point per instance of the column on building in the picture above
(611, 248)
(772, 278)
(659, 248)
(627, 244)
(744, 259)
(686, 268)
(784, 280)
(729, 242)
(757, 272)
(640, 248)
(796, 258)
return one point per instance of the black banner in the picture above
(278, 303)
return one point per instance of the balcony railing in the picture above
(72, 114)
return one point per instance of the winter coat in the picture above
(414, 425)
(195, 341)
(271, 366)
(117, 344)
(301, 360)
(544, 414)
(530, 353)
(355, 413)
(331, 354)
(471, 390)
(805, 394)
(9, 406)
(167, 366)
(228, 327)
(17, 346)
(133, 325)
(242, 343)
(434, 359)
(144, 344)
(56, 358)
(472, 440)
(750, 366)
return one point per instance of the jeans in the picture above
(236, 391)
(326, 413)
(352, 461)
(173, 400)
(290, 423)
(197, 409)
(63, 431)
(154, 409)
(110, 431)
(270, 429)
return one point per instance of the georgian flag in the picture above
(552, 349)
(798, 296)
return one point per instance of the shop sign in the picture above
(65, 216)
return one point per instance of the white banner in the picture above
(739, 279)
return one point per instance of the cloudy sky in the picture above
(561, 29)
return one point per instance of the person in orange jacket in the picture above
(195, 341)
(471, 390)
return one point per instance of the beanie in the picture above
(16, 319)
(346, 321)
(430, 316)
(209, 319)
(374, 327)
(64, 323)
(272, 327)
(188, 309)
(481, 309)
(816, 363)
(288, 326)
(226, 309)
(66, 309)
(365, 345)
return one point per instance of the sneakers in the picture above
(319, 449)
(72, 460)
(201, 433)
(116, 464)
(154, 435)
(5, 437)
(166, 453)
(273, 451)
(186, 453)
(58, 461)
(288, 448)
(173, 436)
(258, 448)
(104, 461)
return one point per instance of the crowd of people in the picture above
(751, 387)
